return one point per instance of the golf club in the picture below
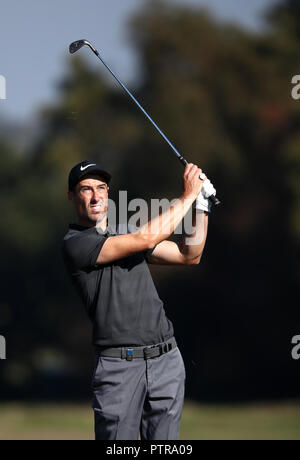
(75, 46)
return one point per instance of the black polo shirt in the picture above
(120, 297)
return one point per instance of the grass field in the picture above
(75, 422)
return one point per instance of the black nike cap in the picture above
(82, 169)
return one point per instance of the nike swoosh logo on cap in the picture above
(82, 168)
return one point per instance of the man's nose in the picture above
(96, 195)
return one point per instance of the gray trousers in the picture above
(135, 396)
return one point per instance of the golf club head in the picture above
(75, 46)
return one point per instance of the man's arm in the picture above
(159, 228)
(189, 251)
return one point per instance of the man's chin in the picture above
(97, 216)
(94, 217)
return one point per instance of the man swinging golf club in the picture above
(139, 376)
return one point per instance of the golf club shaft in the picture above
(143, 110)
(212, 198)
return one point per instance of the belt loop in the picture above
(146, 356)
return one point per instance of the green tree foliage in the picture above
(222, 95)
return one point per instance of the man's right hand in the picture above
(192, 184)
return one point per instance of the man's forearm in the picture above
(193, 244)
(162, 226)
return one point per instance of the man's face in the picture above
(90, 198)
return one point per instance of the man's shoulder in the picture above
(81, 247)
(68, 241)
(70, 235)
(78, 236)
(74, 235)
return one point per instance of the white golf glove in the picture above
(202, 201)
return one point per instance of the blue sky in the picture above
(35, 34)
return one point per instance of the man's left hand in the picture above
(202, 202)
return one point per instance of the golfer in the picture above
(139, 376)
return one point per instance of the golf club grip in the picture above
(213, 199)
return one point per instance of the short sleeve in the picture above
(82, 251)
(148, 254)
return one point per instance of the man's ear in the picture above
(71, 196)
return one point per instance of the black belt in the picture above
(129, 353)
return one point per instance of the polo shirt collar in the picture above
(109, 229)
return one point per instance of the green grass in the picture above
(70, 422)
(249, 422)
